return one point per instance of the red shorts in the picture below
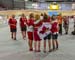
(30, 35)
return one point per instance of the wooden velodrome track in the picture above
(27, 12)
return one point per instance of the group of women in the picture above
(38, 27)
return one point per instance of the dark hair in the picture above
(45, 16)
(31, 15)
(53, 17)
(41, 14)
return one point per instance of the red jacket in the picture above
(54, 27)
(12, 23)
(37, 24)
(23, 22)
(47, 20)
(30, 24)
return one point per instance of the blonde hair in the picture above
(37, 17)
(23, 14)
(13, 16)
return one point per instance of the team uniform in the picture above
(12, 22)
(30, 24)
(37, 24)
(23, 22)
(54, 30)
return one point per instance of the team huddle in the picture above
(38, 27)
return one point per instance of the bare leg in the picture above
(24, 34)
(14, 33)
(57, 44)
(44, 45)
(49, 44)
(31, 44)
(35, 45)
(38, 46)
(11, 35)
(53, 43)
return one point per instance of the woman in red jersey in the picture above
(47, 28)
(23, 22)
(13, 27)
(54, 31)
(30, 24)
(37, 40)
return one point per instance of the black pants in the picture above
(66, 26)
(60, 29)
(13, 30)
